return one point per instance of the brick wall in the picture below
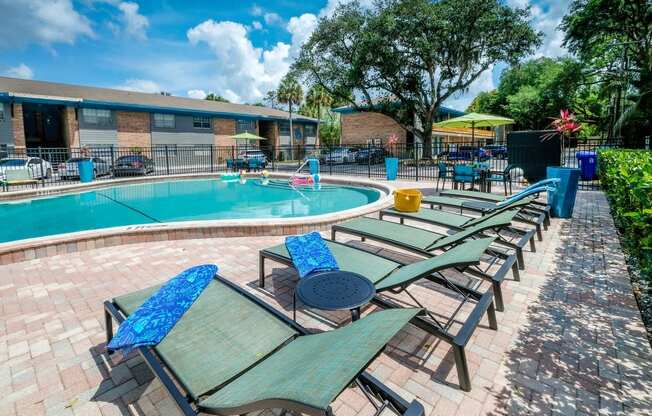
(357, 128)
(18, 126)
(223, 129)
(70, 127)
(134, 129)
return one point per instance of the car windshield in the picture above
(12, 162)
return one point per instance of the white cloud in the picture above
(140, 85)
(256, 25)
(243, 72)
(272, 18)
(198, 94)
(41, 21)
(20, 71)
(133, 23)
(301, 28)
(256, 10)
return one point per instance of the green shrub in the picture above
(626, 177)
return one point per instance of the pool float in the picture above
(303, 180)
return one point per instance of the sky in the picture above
(237, 49)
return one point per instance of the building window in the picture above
(310, 130)
(242, 126)
(284, 128)
(2, 113)
(96, 117)
(164, 121)
(201, 122)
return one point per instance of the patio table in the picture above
(333, 291)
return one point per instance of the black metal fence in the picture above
(58, 166)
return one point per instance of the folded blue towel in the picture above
(310, 254)
(152, 321)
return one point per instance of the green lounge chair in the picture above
(525, 215)
(459, 222)
(389, 275)
(231, 353)
(428, 243)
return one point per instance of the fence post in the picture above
(369, 160)
(416, 161)
(212, 159)
(167, 160)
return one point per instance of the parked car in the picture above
(133, 165)
(370, 155)
(70, 168)
(498, 151)
(253, 154)
(341, 155)
(37, 167)
(465, 153)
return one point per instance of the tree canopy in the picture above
(614, 38)
(404, 58)
(533, 92)
(215, 97)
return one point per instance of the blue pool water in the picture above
(172, 201)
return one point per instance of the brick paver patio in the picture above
(570, 341)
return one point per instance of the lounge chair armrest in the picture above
(413, 408)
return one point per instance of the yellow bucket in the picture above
(407, 200)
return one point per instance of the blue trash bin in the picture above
(588, 162)
(314, 166)
(85, 170)
(391, 168)
(562, 201)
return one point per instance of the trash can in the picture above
(391, 168)
(407, 200)
(588, 162)
(314, 166)
(562, 201)
(85, 168)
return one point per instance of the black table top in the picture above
(335, 290)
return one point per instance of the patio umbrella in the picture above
(247, 136)
(474, 120)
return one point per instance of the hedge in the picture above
(626, 177)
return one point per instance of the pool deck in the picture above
(571, 341)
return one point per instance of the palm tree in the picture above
(289, 92)
(318, 97)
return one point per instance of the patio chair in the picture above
(522, 200)
(502, 176)
(231, 353)
(390, 275)
(429, 243)
(443, 173)
(463, 174)
(18, 177)
(459, 222)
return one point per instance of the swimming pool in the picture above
(184, 200)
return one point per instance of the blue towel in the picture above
(152, 321)
(310, 254)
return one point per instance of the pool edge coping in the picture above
(47, 246)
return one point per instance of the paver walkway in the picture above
(570, 342)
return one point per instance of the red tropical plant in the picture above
(566, 126)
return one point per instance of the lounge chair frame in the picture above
(483, 304)
(526, 236)
(496, 279)
(379, 395)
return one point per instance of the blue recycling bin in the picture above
(391, 168)
(85, 168)
(588, 162)
(314, 166)
(562, 201)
